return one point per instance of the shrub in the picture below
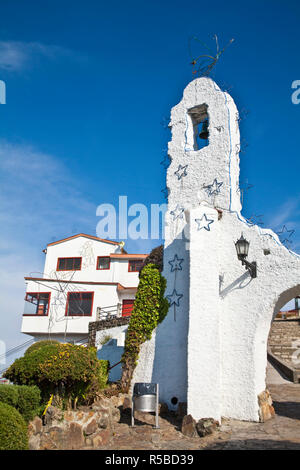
(63, 369)
(9, 395)
(26, 399)
(29, 399)
(149, 309)
(13, 429)
(38, 344)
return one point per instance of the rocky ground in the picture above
(281, 432)
(107, 426)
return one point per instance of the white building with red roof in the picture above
(85, 279)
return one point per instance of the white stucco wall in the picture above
(89, 250)
(211, 349)
(105, 295)
(56, 321)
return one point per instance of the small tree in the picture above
(150, 308)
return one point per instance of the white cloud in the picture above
(38, 193)
(287, 214)
(17, 55)
(39, 200)
(288, 209)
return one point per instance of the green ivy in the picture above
(150, 308)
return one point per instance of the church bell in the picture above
(204, 132)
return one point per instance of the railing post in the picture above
(119, 309)
(98, 313)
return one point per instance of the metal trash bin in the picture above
(145, 398)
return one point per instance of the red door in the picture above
(127, 307)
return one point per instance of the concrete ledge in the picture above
(290, 372)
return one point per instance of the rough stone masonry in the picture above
(211, 349)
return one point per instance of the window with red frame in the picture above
(68, 264)
(37, 303)
(79, 304)
(135, 265)
(127, 307)
(103, 262)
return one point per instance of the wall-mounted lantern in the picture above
(242, 248)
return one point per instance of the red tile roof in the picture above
(84, 235)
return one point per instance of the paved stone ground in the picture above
(274, 376)
(281, 432)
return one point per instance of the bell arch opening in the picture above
(199, 123)
(283, 343)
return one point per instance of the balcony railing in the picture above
(108, 313)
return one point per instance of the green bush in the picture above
(29, 399)
(63, 369)
(26, 399)
(38, 344)
(9, 395)
(149, 309)
(13, 429)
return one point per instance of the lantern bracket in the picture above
(252, 267)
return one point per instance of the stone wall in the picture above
(88, 427)
(105, 325)
(284, 339)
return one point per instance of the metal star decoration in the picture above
(214, 188)
(178, 212)
(174, 298)
(204, 222)
(284, 237)
(166, 161)
(242, 115)
(244, 186)
(181, 171)
(256, 220)
(165, 192)
(175, 264)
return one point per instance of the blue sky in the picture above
(88, 85)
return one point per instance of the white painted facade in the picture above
(109, 287)
(211, 349)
